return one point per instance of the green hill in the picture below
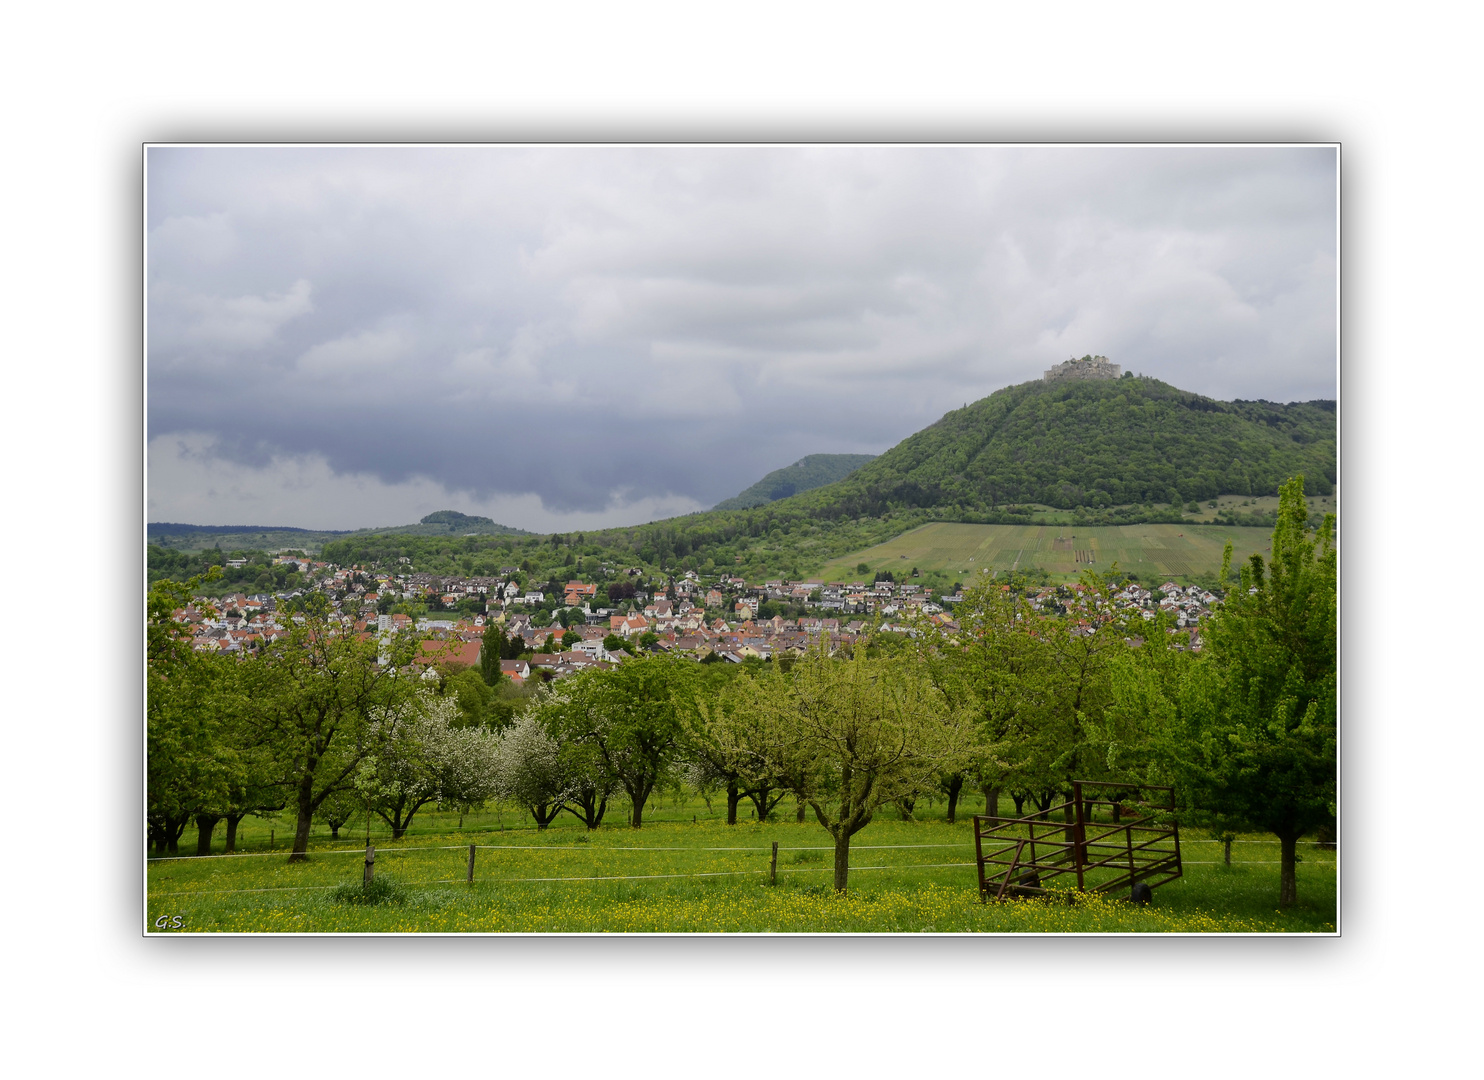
(1091, 446)
(179, 537)
(812, 472)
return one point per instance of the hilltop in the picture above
(808, 473)
(1091, 446)
(180, 537)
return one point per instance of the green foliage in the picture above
(258, 574)
(320, 702)
(629, 720)
(454, 520)
(859, 733)
(1090, 443)
(202, 758)
(1255, 743)
(379, 890)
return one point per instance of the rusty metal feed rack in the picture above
(1138, 842)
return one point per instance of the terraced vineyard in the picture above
(1150, 551)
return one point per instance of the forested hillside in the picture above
(812, 472)
(1096, 445)
(273, 537)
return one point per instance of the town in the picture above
(563, 631)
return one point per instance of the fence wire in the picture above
(588, 847)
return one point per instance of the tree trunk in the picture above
(763, 804)
(205, 826)
(842, 859)
(174, 826)
(305, 819)
(1018, 798)
(592, 807)
(799, 812)
(991, 801)
(955, 785)
(334, 830)
(734, 796)
(1288, 871)
(905, 808)
(232, 820)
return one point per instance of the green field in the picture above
(680, 875)
(1151, 552)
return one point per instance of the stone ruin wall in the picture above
(1096, 368)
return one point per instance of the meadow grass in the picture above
(1153, 552)
(618, 881)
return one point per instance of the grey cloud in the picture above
(599, 325)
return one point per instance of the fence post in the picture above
(370, 862)
(1226, 845)
(270, 839)
(471, 864)
(773, 866)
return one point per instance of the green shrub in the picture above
(379, 890)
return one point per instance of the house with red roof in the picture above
(452, 651)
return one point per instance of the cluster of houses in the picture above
(1188, 604)
(684, 616)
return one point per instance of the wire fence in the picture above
(615, 849)
(281, 852)
(604, 877)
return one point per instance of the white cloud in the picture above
(363, 355)
(184, 320)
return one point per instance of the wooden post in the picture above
(1079, 836)
(471, 864)
(270, 839)
(773, 866)
(1227, 847)
(370, 863)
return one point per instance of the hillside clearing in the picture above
(1148, 551)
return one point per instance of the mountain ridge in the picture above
(806, 474)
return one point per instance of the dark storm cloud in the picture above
(626, 331)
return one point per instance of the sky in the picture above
(576, 337)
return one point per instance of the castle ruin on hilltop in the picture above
(1089, 367)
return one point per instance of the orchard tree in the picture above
(630, 721)
(192, 703)
(1256, 745)
(426, 757)
(735, 742)
(993, 668)
(321, 700)
(338, 809)
(872, 730)
(585, 777)
(531, 771)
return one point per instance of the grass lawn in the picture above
(650, 880)
(1155, 553)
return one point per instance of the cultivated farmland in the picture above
(1063, 551)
